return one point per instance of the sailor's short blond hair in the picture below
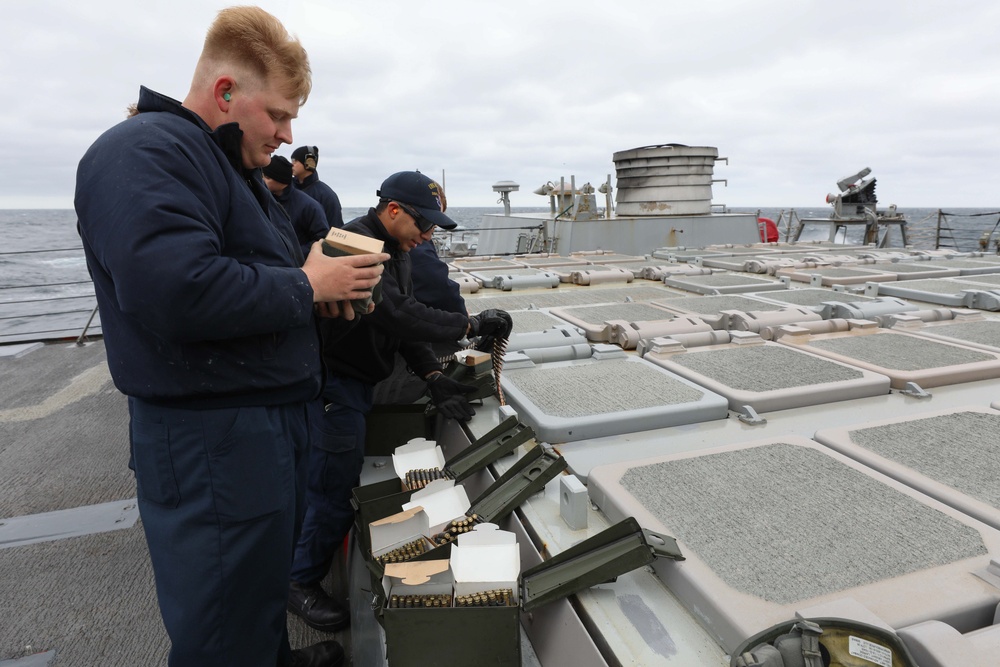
(251, 44)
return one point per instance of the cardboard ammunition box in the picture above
(338, 243)
(417, 454)
(405, 528)
(486, 559)
(428, 512)
(375, 501)
(528, 476)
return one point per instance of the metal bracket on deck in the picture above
(749, 416)
(915, 390)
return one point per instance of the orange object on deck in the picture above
(768, 230)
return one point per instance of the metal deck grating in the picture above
(562, 296)
(785, 523)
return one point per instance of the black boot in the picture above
(311, 603)
(323, 654)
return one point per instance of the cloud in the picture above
(797, 95)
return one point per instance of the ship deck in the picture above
(76, 585)
(627, 404)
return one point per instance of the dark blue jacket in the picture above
(399, 323)
(431, 284)
(325, 195)
(307, 217)
(201, 299)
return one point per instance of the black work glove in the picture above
(491, 322)
(449, 397)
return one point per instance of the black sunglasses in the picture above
(423, 224)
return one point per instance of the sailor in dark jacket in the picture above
(306, 214)
(409, 208)
(431, 284)
(207, 311)
(304, 161)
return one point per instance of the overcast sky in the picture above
(796, 93)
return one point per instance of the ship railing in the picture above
(786, 223)
(950, 233)
(59, 305)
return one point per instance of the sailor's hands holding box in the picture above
(343, 272)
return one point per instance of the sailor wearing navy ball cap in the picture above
(418, 191)
(408, 210)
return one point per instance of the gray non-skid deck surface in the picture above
(622, 386)
(631, 312)
(786, 523)
(567, 296)
(765, 368)
(542, 262)
(713, 305)
(986, 259)
(988, 279)
(64, 445)
(90, 599)
(904, 268)
(959, 450)
(938, 286)
(489, 274)
(799, 256)
(635, 267)
(722, 280)
(977, 264)
(904, 353)
(842, 271)
(984, 332)
(476, 265)
(63, 432)
(812, 297)
(690, 255)
(526, 321)
(613, 258)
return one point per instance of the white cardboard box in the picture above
(486, 558)
(417, 454)
(398, 529)
(442, 500)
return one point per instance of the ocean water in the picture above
(45, 290)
